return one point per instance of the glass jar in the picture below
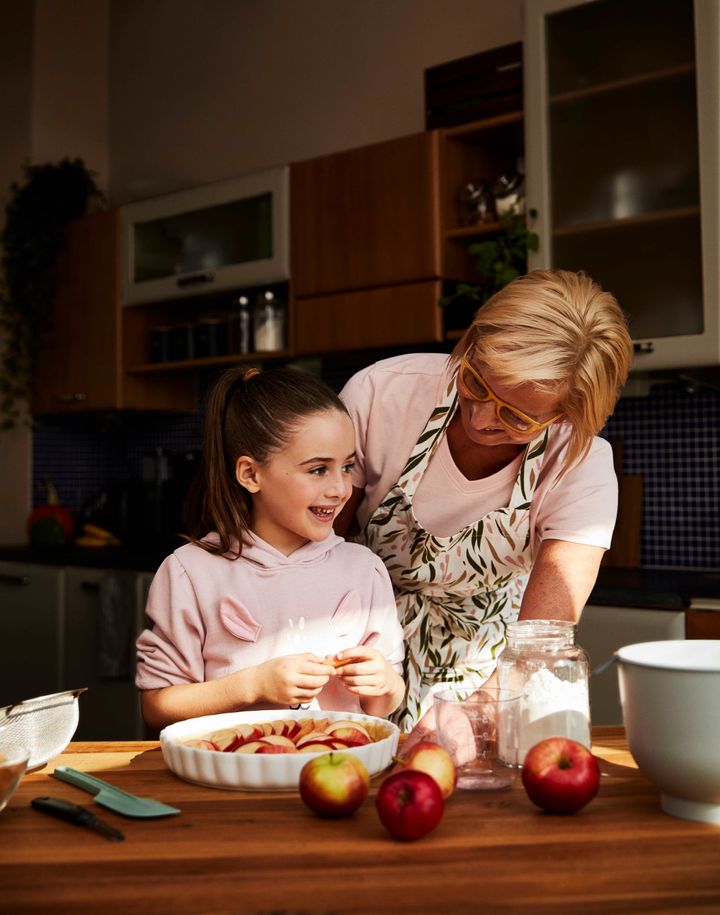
(543, 664)
(269, 324)
(240, 326)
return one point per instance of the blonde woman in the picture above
(479, 479)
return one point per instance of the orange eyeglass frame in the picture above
(532, 424)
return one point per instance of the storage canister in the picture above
(542, 663)
(269, 324)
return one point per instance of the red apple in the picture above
(430, 757)
(410, 804)
(334, 784)
(560, 775)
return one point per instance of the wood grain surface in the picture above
(231, 851)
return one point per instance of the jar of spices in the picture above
(210, 338)
(550, 671)
(269, 324)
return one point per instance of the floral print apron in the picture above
(454, 594)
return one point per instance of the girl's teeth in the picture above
(323, 512)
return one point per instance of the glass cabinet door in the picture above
(615, 148)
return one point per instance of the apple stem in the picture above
(399, 760)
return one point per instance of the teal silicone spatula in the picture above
(129, 805)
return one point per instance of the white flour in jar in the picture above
(551, 707)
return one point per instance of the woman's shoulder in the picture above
(598, 461)
(401, 369)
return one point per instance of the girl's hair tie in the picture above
(251, 373)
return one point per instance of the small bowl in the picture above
(261, 772)
(670, 695)
(13, 764)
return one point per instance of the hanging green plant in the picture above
(50, 196)
(498, 259)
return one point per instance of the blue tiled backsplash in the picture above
(671, 437)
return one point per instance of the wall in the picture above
(16, 37)
(174, 93)
(202, 90)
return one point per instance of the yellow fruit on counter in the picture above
(92, 530)
(96, 541)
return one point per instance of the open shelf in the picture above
(153, 368)
(464, 131)
(474, 231)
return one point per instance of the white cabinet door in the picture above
(622, 144)
(602, 630)
(31, 630)
(102, 622)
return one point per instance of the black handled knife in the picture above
(74, 813)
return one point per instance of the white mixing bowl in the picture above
(670, 695)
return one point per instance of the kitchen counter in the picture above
(232, 851)
(654, 588)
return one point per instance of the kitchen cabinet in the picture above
(376, 231)
(65, 627)
(365, 253)
(604, 629)
(32, 609)
(82, 364)
(703, 619)
(104, 616)
(622, 138)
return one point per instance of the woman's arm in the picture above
(561, 580)
(560, 583)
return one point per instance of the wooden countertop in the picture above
(231, 851)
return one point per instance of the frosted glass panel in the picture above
(207, 239)
(654, 269)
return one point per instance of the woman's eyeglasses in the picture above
(476, 388)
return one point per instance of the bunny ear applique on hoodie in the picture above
(238, 620)
(349, 615)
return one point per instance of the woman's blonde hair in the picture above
(562, 333)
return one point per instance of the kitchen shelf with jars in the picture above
(248, 325)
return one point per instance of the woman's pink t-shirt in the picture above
(390, 403)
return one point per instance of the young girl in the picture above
(266, 607)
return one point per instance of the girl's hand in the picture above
(364, 671)
(292, 679)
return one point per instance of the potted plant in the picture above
(498, 260)
(50, 196)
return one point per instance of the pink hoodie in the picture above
(213, 615)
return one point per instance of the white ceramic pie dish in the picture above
(260, 772)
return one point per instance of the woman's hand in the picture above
(292, 679)
(364, 671)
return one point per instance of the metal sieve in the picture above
(44, 725)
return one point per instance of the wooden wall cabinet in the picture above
(376, 231)
(82, 365)
(365, 246)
